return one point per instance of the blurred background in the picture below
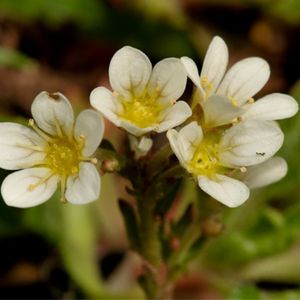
(57, 251)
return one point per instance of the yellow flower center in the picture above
(205, 159)
(143, 112)
(64, 155)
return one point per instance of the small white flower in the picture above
(213, 158)
(56, 149)
(226, 97)
(143, 100)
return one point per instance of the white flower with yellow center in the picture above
(226, 97)
(216, 158)
(56, 150)
(143, 100)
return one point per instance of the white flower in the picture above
(143, 100)
(227, 97)
(56, 150)
(213, 158)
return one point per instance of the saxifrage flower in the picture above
(227, 97)
(216, 159)
(56, 150)
(143, 99)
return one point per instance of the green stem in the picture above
(148, 227)
(159, 160)
(174, 172)
(189, 238)
(150, 248)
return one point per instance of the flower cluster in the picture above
(227, 140)
(229, 148)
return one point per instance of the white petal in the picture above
(168, 80)
(245, 79)
(272, 107)
(250, 142)
(85, 187)
(140, 146)
(174, 116)
(272, 170)
(16, 192)
(50, 110)
(226, 190)
(215, 62)
(218, 110)
(172, 136)
(192, 71)
(104, 101)
(135, 130)
(13, 142)
(189, 137)
(89, 124)
(129, 71)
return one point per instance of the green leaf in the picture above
(78, 248)
(284, 295)
(244, 292)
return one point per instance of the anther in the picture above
(233, 101)
(31, 122)
(243, 169)
(94, 160)
(116, 94)
(251, 100)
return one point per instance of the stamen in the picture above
(173, 101)
(42, 134)
(31, 147)
(70, 132)
(233, 101)
(207, 85)
(236, 120)
(58, 128)
(115, 94)
(63, 190)
(81, 139)
(93, 160)
(251, 100)
(39, 163)
(31, 187)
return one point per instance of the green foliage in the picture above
(85, 13)
(287, 10)
(14, 59)
(285, 295)
(245, 292)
